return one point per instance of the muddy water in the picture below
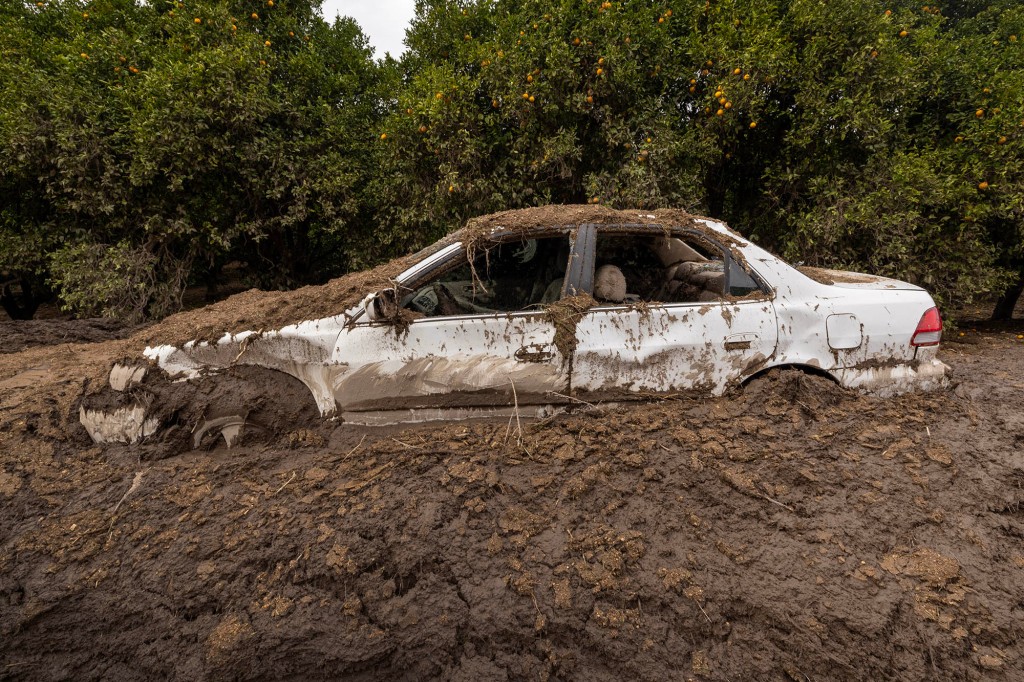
(794, 531)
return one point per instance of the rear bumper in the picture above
(889, 380)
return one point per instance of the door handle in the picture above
(535, 352)
(740, 341)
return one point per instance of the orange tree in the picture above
(825, 130)
(142, 144)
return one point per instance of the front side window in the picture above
(510, 276)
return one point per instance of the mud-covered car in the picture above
(527, 320)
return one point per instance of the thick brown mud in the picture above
(792, 531)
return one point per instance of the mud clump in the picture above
(565, 315)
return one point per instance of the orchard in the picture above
(142, 147)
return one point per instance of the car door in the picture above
(479, 336)
(694, 319)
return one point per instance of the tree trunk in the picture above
(1008, 301)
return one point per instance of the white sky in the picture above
(383, 21)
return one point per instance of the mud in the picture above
(790, 531)
(824, 276)
(793, 531)
(19, 335)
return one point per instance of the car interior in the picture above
(629, 268)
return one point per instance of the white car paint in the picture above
(857, 332)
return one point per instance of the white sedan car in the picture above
(528, 320)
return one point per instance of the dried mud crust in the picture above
(825, 276)
(791, 531)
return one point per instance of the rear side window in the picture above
(660, 269)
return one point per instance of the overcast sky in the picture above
(383, 21)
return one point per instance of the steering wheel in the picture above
(435, 299)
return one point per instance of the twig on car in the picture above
(572, 398)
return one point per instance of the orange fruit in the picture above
(874, 53)
(254, 15)
(439, 96)
(590, 100)
(903, 34)
(979, 113)
(728, 105)
(737, 72)
(529, 79)
(888, 12)
(451, 188)
(117, 69)
(1002, 140)
(270, 3)
(693, 88)
(266, 43)
(423, 129)
(575, 41)
(983, 185)
(531, 99)
(719, 112)
(753, 124)
(600, 60)
(197, 20)
(85, 15)
(958, 139)
(600, 71)
(746, 76)
(718, 93)
(291, 34)
(84, 56)
(383, 136)
(661, 20)
(494, 103)
(668, 13)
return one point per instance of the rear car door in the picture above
(692, 316)
(469, 336)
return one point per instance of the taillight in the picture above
(929, 329)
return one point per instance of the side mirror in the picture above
(382, 305)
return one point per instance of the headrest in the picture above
(609, 284)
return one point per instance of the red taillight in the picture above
(929, 329)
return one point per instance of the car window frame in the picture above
(589, 260)
(455, 256)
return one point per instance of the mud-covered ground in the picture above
(794, 531)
